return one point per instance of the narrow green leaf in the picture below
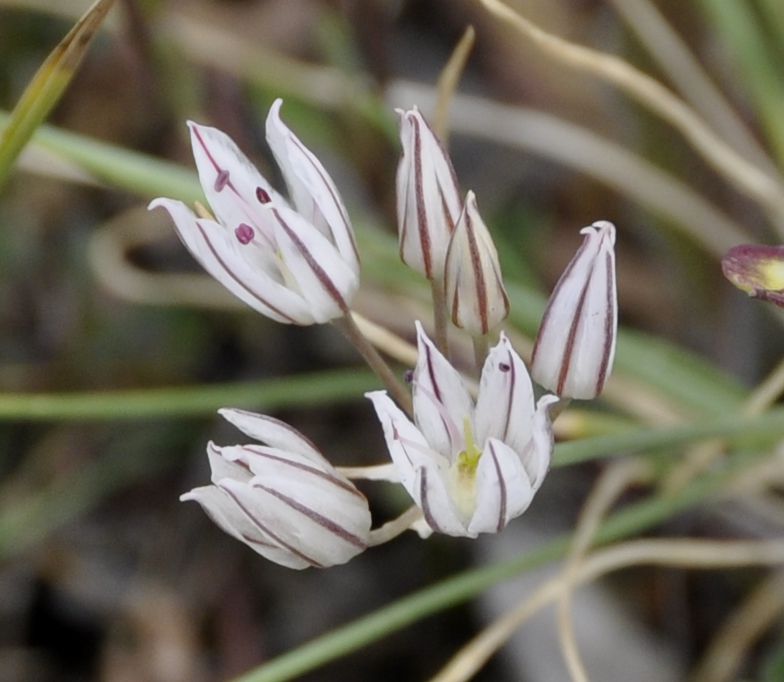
(48, 85)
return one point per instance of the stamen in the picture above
(262, 196)
(408, 377)
(503, 367)
(244, 233)
(222, 180)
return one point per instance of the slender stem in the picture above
(391, 529)
(374, 472)
(440, 316)
(463, 586)
(399, 392)
(480, 352)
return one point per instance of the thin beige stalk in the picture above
(391, 529)
(725, 654)
(690, 78)
(374, 472)
(745, 176)
(397, 389)
(678, 552)
(481, 346)
(606, 491)
(448, 81)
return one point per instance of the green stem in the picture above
(464, 586)
(300, 389)
(354, 334)
(481, 346)
(440, 322)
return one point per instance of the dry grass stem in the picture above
(760, 610)
(679, 553)
(609, 487)
(694, 84)
(745, 176)
(448, 82)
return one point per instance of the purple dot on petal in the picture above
(222, 180)
(244, 233)
(503, 367)
(409, 376)
(262, 196)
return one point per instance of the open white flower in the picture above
(283, 499)
(471, 468)
(574, 350)
(428, 200)
(295, 266)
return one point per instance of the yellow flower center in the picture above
(464, 473)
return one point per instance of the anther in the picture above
(408, 377)
(222, 180)
(244, 233)
(262, 196)
(503, 367)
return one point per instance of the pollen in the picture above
(263, 196)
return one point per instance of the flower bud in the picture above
(574, 350)
(428, 201)
(758, 270)
(283, 499)
(475, 294)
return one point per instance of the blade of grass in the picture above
(299, 390)
(48, 85)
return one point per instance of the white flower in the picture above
(428, 200)
(470, 468)
(475, 294)
(575, 347)
(283, 499)
(295, 266)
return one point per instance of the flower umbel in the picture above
(575, 347)
(758, 270)
(471, 468)
(428, 200)
(475, 293)
(283, 499)
(295, 266)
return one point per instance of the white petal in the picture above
(271, 431)
(407, 446)
(324, 279)
(429, 202)
(228, 178)
(537, 455)
(230, 517)
(575, 347)
(441, 400)
(505, 406)
(473, 286)
(216, 249)
(503, 489)
(224, 465)
(318, 529)
(433, 498)
(312, 189)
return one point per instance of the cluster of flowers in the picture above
(469, 465)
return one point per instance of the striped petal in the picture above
(321, 275)
(311, 188)
(474, 289)
(574, 349)
(272, 431)
(428, 200)
(503, 488)
(216, 249)
(441, 401)
(505, 405)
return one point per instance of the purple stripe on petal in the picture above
(426, 510)
(264, 529)
(419, 196)
(319, 519)
(501, 490)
